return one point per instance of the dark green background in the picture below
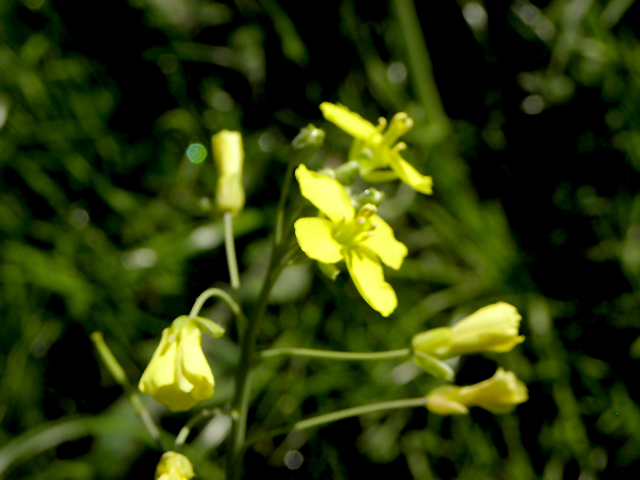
(104, 226)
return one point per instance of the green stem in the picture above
(216, 292)
(240, 404)
(118, 374)
(340, 415)
(304, 146)
(347, 356)
(281, 203)
(420, 68)
(230, 248)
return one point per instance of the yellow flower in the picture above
(493, 328)
(229, 155)
(361, 239)
(376, 151)
(498, 394)
(178, 375)
(174, 466)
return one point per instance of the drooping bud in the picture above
(229, 155)
(178, 375)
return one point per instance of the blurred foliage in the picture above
(106, 225)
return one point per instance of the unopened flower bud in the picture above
(174, 466)
(493, 328)
(498, 394)
(229, 155)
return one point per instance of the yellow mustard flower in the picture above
(174, 466)
(498, 394)
(376, 151)
(178, 375)
(229, 155)
(362, 239)
(493, 328)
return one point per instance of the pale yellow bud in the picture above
(229, 155)
(498, 394)
(174, 466)
(178, 375)
(493, 328)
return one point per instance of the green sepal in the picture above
(379, 176)
(369, 196)
(329, 270)
(309, 137)
(306, 144)
(347, 173)
(435, 342)
(208, 326)
(433, 366)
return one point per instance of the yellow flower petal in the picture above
(384, 244)
(327, 194)
(178, 375)
(194, 364)
(493, 328)
(367, 274)
(315, 239)
(410, 175)
(163, 361)
(351, 122)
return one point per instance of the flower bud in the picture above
(229, 155)
(498, 394)
(174, 466)
(178, 375)
(493, 328)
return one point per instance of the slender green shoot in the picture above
(339, 415)
(331, 355)
(117, 371)
(230, 249)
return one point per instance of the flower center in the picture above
(355, 231)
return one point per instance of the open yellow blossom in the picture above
(174, 466)
(498, 394)
(362, 239)
(178, 375)
(493, 328)
(376, 151)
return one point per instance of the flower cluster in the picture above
(359, 237)
(346, 229)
